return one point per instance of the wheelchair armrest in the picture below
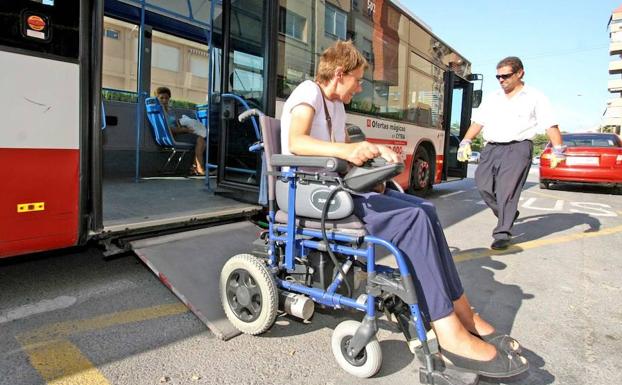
(362, 179)
(327, 163)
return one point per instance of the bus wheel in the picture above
(421, 176)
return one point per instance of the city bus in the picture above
(80, 160)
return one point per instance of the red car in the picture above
(590, 158)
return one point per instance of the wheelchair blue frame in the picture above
(295, 245)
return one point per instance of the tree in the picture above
(539, 142)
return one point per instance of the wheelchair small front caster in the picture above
(366, 363)
(248, 294)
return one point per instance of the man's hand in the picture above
(464, 151)
(558, 155)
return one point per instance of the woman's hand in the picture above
(389, 155)
(362, 152)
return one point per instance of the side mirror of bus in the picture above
(477, 98)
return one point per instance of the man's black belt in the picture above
(512, 142)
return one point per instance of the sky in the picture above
(564, 46)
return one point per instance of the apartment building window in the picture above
(112, 34)
(335, 22)
(199, 65)
(165, 57)
(291, 24)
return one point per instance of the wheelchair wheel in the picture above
(248, 294)
(367, 363)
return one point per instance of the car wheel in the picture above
(544, 185)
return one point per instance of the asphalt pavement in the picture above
(75, 318)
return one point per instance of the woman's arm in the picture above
(302, 143)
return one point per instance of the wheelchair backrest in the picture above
(311, 196)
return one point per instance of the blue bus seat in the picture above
(163, 135)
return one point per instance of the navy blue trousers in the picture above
(412, 225)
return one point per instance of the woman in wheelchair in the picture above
(313, 123)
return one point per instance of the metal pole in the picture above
(210, 86)
(140, 98)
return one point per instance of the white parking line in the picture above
(44, 306)
(64, 301)
(451, 194)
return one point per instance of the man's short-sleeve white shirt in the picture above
(308, 92)
(517, 118)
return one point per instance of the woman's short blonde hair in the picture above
(341, 54)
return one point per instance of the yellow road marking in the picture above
(469, 255)
(61, 363)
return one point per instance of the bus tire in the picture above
(421, 175)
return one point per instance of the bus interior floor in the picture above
(128, 203)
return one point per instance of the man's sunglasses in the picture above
(505, 76)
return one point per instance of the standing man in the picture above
(509, 118)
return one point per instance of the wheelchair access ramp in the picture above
(189, 264)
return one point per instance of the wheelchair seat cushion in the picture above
(351, 224)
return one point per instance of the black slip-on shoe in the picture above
(500, 244)
(502, 365)
(501, 341)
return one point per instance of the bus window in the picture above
(120, 45)
(182, 66)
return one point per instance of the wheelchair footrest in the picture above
(447, 376)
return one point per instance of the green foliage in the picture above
(131, 97)
(182, 104)
(478, 143)
(539, 142)
(119, 96)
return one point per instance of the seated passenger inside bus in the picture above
(198, 167)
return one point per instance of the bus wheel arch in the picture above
(422, 169)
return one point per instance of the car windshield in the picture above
(591, 140)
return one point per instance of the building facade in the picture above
(612, 118)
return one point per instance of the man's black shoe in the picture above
(500, 244)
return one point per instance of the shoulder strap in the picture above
(329, 121)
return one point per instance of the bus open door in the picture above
(459, 104)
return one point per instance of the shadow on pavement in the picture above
(499, 303)
(538, 226)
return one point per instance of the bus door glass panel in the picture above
(119, 97)
(459, 124)
(246, 73)
(454, 128)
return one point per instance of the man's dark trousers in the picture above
(500, 177)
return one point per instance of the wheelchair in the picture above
(313, 252)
